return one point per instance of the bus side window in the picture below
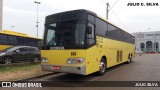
(90, 34)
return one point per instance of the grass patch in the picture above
(19, 68)
(19, 72)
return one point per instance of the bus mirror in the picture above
(89, 30)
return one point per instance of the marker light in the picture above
(44, 60)
(75, 60)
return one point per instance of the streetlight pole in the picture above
(37, 15)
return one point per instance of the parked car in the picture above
(139, 52)
(20, 53)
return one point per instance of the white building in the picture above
(1, 8)
(147, 41)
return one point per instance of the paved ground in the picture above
(143, 68)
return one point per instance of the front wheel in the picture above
(102, 69)
(8, 60)
(35, 60)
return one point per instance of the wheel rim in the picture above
(129, 60)
(102, 67)
(36, 59)
(7, 61)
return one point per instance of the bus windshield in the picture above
(69, 34)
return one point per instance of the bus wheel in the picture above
(102, 70)
(8, 60)
(129, 59)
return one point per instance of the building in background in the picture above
(1, 9)
(148, 42)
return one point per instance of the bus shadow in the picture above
(62, 79)
(117, 66)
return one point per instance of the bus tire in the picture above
(8, 60)
(102, 69)
(129, 59)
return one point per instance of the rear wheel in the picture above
(8, 60)
(102, 69)
(129, 59)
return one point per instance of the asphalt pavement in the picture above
(143, 68)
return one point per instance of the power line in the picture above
(107, 8)
(102, 1)
(120, 20)
(114, 12)
(106, 3)
(114, 4)
(117, 16)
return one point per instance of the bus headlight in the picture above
(75, 60)
(44, 60)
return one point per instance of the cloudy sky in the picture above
(22, 13)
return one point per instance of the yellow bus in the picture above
(10, 38)
(80, 42)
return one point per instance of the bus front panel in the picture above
(66, 61)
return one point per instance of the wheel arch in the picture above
(129, 55)
(105, 58)
(8, 56)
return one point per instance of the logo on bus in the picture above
(57, 48)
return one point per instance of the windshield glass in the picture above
(65, 33)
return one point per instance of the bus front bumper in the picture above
(64, 69)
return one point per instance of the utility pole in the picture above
(37, 15)
(107, 10)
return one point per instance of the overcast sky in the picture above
(22, 14)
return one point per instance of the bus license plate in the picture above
(56, 67)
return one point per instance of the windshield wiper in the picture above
(49, 44)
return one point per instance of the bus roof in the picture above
(71, 11)
(89, 12)
(9, 32)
